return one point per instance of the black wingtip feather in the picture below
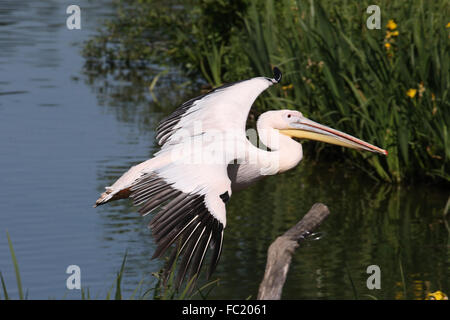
(188, 254)
(183, 223)
(277, 74)
(202, 247)
(217, 241)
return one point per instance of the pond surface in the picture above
(66, 132)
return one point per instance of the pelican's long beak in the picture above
(307, 129)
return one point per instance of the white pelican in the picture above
(190, 189)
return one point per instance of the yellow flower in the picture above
(390, 34)
(411, 93)
(391, 25)
(387, 45)
(438, 295)
(288, 87)
(448, 25)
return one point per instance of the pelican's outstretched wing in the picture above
(223, 109)
(192, 212)
(195, 215)
(192, 197)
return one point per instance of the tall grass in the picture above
(16, 271)
(342, 74)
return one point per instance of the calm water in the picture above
(66, 132)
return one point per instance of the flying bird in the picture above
(205, 156)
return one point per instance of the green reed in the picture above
(358, 80)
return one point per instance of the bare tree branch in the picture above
(280, 252)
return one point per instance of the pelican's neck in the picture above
(284, 149)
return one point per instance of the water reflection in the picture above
(369, 224)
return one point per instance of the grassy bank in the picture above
(388, 86)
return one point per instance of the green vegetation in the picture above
(389, 86)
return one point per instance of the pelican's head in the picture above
(293, 124)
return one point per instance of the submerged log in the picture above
(280, 252)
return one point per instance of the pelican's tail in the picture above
(104, 198)
(110, 195)
(121, 188)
